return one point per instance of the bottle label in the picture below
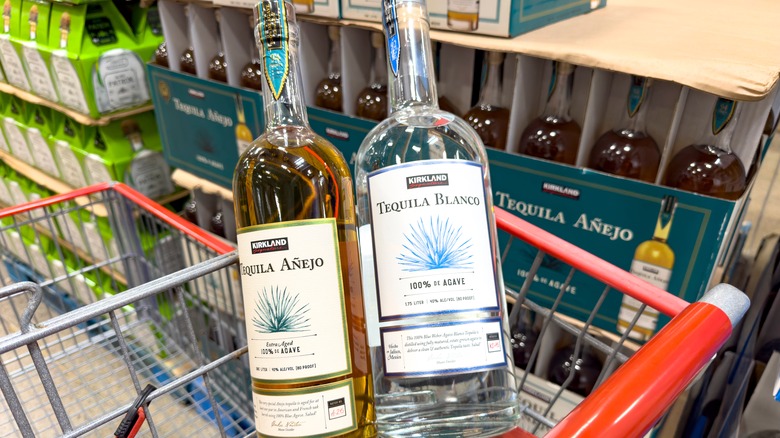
(17, 142)
(724, 111)
(647, 322)
(72, 173)
(149, 174)
(68, 82)
(390, 20)
(119, 81)
(43, 157)
(431, 239)
(39, 73)
(294, 301)
(97, 246)
(12, 64)
(97, 170)
(274, 37)
(636, 94)
(321, 411)
(463, 6)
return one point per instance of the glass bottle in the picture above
(445, 104)
(328, 92)
(581, 364)
(252, 72)
(554, 135)
(217, 65)
(148, 173)
(297, 243)
(488, 117)
(653, 262)
(431, 269)
(629, 151)
(709, 167)
(187, 58)
(244, 135)
(463, 15)
(217, 224)
(303, 6)
(372, 101)
(161, 55)
(524, 336)
(190, 210)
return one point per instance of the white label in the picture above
(294, 301)
(119, 81)
(431, 239)
(322, 411)
(443, 348)
(97, 170)
(68, 83)
(12, 64)
(5, 195)
(17, 142)
(149, 174)
(463, 6)
(243, 145)
(72, 173)
(647, 322)
(39, 73)
(42, 154)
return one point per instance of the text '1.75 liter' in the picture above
(434, 293)
(300, 269)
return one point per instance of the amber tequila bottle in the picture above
(217, 64)
(161, 56)
(709, 167)
(252, 72)
(436, 308)
(187, 58)
(300, 269)
(463, 14)
(628, 150)
(328, 93)
(554, 135)
(372, 102)
(488, 117)
(653, 262)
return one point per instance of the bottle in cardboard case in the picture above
(328, 92)
(489, 118)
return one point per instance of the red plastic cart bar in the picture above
(142, 201)
(635, 397)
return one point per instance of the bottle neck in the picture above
(278, 33)
(137, 141)
(407, 33)
(559, 95)
(635, 115)
(379, 69)
(334, 62)
(664, 223)
(724, 122)
(491, 91)
(240, 111)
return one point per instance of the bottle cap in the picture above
(377, 40)
(495, 58)
(334, 32)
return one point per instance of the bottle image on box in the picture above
(554, 135)
(488, 117)
(710, 167)
(304, 6)
(148, 172)
(372, 102)
(328, 92)
(33, 21)
(252, 72)
(161, 56)
(244, 136)
(300, 268)
(463, 15)
(629, 151)
(436, 307)
(653, 262)
(217, 65)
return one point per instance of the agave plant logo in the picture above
(279, 311)
(435, 243)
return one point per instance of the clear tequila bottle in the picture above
(439, 340)
(148, 172)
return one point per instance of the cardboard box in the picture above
(12, 63)
(96, 61)
(39, 125)
(15, 128)
(30, 42)
(505, 18)
(66, 136)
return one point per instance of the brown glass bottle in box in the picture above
(488, 117)
(161, 56)
(372, 101)
(328, 92)
(218, 65)
(252, 72)
(554, 135)
(581, 370)
(187, 58)
(710, 167)
(629, 151)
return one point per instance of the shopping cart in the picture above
(163, 307)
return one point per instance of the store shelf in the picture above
(75, 115)
(57, 186)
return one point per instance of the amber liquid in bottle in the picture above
(554, 135)
(585, 367)
(488, 117)
(629, 151)
(217, 65)
(161, 56)
(292, 179)
(372, 102)
(710, 167)
(328, 92)
(187, 58)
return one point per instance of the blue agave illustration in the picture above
(278, 311)
(435, 244)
